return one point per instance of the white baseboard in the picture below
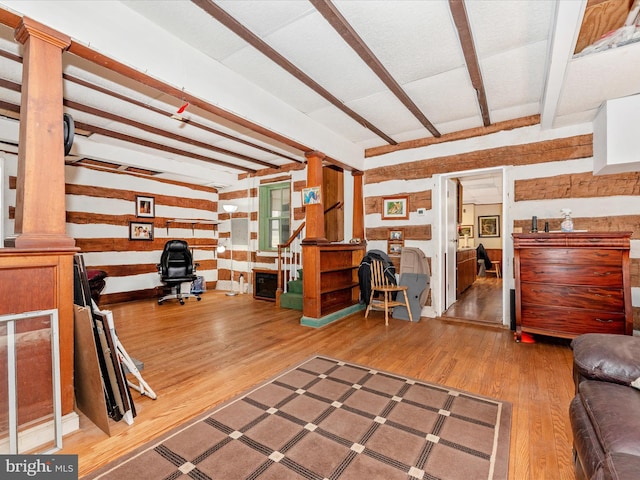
(41, 434)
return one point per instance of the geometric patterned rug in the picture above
(328, 419)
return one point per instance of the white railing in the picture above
(289, 260)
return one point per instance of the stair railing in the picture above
(290, 257)
(289, 261)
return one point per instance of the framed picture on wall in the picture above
(489, 226)
(395, 208)
(145, 207)
(140, 231)
(311, 196)
(396, 235)
(466, 230)
(395, 248)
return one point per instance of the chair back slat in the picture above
(378, 277)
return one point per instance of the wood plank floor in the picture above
(481, 302)
(200, 354)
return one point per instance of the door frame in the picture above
(442, 238)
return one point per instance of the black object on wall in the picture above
(69, 132)
(512, 298)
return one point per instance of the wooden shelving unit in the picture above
(330, 280)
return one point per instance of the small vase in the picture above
(567, 224)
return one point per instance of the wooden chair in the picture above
(495, 268)
(381, 284)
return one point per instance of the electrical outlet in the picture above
(422, 211)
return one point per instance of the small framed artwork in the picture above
(396, 235)
(395, 208)
(145, 207)
(466, 230)
(395, 248)
(140, 231)
(489, 226)
(311, 196)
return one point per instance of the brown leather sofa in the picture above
(605, 413)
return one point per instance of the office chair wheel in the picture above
(199, 298)
(181, 302)
(159, 302)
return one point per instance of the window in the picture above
(274, 223)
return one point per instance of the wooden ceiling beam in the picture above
(460, 18)
(11, 107)
(187, 121)
(340, 24)
(164, 133)
(87, 109)
(158, 146)
(219, 14)
(12, 20)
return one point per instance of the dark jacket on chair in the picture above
(364, 273)
(482, 254)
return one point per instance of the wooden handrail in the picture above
(291, 238)
(332, 207)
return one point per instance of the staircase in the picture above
(292, 298)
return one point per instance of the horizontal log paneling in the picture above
(618, 223)
(411, 232)
(111, 298)
(143, 268)
(121, 297)
(449, 137)
(104, 192)
(580, 146)
(257, 258)
(299, 213)
(281, 178)
(236, 194)
(226, 216)
(271, 171)
(578, 185)
(373, 204)
(299, 185)
(238, 255)
(88, 218)
(126, 245)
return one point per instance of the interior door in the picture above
(451, 223)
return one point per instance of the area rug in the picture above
(328, 419)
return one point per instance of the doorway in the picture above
(471, 200)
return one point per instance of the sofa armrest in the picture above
(607, 357)
(622, 466)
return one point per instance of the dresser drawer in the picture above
(570, 256)
(595, 275)
(590, 297)
(569, 321)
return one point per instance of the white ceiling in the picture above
(523, 49)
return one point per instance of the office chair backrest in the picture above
(176, 259)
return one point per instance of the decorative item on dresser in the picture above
(568, 284)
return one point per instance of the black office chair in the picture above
(176, 267)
